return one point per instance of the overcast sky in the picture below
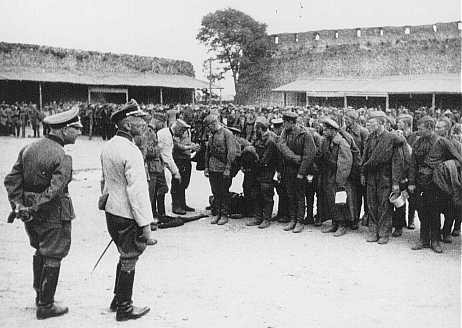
(167, 28)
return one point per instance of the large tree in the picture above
(235, 39)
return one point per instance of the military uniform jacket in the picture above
(124, 180)
(154, 162)
(40, 178)
(298, 150)
(222, 150)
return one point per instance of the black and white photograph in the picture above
(230, 163)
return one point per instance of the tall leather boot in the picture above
(37, 267)
(113, 306)
(47, 308)
(125, 308)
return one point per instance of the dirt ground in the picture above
(203, 275)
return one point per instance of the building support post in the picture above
(220, 96)
(387, 101)
(89, 98)
(40, 96)
(345, 101)
(285, 98)
(161, 97)
(433, 100)
(307, 99)
(193, 96)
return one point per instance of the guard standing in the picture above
(219, 157)
(37, 189)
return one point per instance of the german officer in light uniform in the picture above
(37, 189)
(127, 206)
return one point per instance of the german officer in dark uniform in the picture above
(37, 189)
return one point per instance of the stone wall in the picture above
(364, 52)
(52, 59)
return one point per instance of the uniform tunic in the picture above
(39, 179)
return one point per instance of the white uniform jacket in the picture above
(165, 143)
(124, 180)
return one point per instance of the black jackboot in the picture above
(37, 267)
(46, 307)
(113, 306)
(125, 308)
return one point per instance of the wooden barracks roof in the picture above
(407, 84)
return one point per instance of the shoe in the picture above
(372, 238)
(53, 310)
(309, 220)
(131, 312)
(223, 220)
(420, 245)
(265, 224)
(189, 209)
(125, 308)
(298, 227)
(179, 211)
(354, 226)
(383, 240)
(330, 228)
(290, 226)
(447, 239)
(340, 231)
(253, 222)
(397, 232)
(455, 232)
(436, 247)
(215, 220)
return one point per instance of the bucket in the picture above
(398, 199)
(340, 197)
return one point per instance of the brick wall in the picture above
(58, 59)
(378, 51)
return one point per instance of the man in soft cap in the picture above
(125, 199)
(262, 172)
(182, 149)
(358, 192)
(336, 161)
(298, 152)
(381, 172)
(37, 188)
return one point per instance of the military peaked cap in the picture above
(63, 119)
(129, 109)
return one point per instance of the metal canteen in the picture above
(398, 199)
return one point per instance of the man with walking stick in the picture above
(125, 199)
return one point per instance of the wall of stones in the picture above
(362, 52)
(51, 59)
